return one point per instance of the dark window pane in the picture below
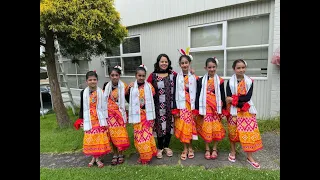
(131, 64)
(131, 45)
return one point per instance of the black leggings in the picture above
(164, 141)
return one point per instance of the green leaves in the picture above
(82, 26)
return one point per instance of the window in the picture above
(76, 73)
(127, 55)
(200, 61)
(256, 58)
(206, 36)
(131, 45)
(246, 38)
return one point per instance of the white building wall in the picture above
(135, 12)
(166, 36)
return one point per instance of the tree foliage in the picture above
(83, 28)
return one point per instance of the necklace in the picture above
(114, 86)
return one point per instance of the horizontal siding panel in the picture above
(167, 36)
(260, 98)
(142, 11)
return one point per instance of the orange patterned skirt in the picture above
(143, 139)
(209, 126)
(96, 142)
(117, 130)
(185, 128)
(244, 129)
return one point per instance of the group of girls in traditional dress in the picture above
(168, 103)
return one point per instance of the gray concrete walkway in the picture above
(268, 157)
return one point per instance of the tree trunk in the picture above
(59, 108)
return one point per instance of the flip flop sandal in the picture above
(231, 158)
(207, 154)
(99, 163)
(254, 164)
(90, 164)
(159, 154)
(183, 155)
(191, 154)
(114, 160)
(168, 152)
(120, 159)
(212, 156)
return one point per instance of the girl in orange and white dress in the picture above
(92, 114)
(114, 93)
(184, 107)
(139, 95)
(210, 102)
(242, 122)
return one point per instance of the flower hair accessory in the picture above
(245, 62)
(143, 66)
(118, 67)
(217, 61)
(182, 52)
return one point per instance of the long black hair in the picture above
(157, 68)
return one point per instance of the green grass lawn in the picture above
(129, 172)
(55, 140)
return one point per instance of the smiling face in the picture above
(211, 68)
(240, 69)
(114, 76)
(140, 76)
(92, 82)
(184, 64)
(163, 63)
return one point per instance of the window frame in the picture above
(76, 74)
(224, 44)
(122, 55)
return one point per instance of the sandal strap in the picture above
(191, 151)
(232, 157)
(255, 164)
(99, 163)
(183, 155)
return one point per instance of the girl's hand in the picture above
(229, 99)
(131, 85)
(192, 71)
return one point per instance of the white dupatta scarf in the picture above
(180, 91)
(101, 109)
(121, 98)
(134, 106)
(233, 83)
(203, 94)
